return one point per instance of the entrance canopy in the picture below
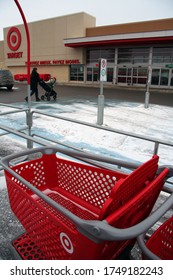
(142, 38)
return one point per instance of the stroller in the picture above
(49, 91)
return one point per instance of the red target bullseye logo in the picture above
(14, 38)
(66, 242)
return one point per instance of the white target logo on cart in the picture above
(66, 243)
(14, 38)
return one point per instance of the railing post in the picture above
(156, 148)
(100, 112)
(29, 122)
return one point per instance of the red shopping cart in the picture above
(160, 244)
(74, 210)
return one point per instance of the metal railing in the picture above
(156, 142)
(29, 125)
(32, 138)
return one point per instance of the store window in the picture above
(76, 72)
(92, 74)
(162, 55)
(93, 55)
(133, 55)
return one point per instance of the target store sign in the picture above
(14, 39)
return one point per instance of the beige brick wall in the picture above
(46, 38)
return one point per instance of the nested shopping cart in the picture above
(160, 243)
(72, 209)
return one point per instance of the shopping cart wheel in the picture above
(42, 97)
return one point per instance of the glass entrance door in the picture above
(132, 75)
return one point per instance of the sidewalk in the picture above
(117, 87)
(70, 92)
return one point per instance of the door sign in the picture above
(103, 69)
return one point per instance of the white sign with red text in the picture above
(103, 70)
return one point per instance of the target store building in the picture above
(69, 48)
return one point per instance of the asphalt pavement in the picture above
(71, 93)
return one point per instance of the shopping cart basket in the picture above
(73, 210)
(160, 244)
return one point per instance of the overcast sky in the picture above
(106, 11)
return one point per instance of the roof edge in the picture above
(131, 27)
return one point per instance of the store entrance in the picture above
(132, 75)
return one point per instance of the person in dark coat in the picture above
(35, 78)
